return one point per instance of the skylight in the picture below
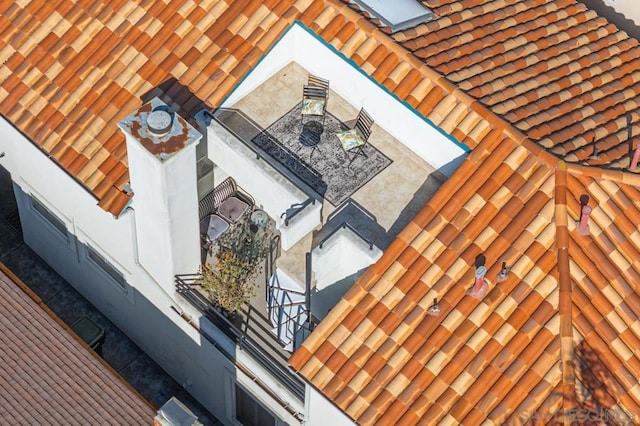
(397, 14)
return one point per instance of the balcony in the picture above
(287, 180)
(322, 209)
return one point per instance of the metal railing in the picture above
(335, 223)
(246, 130)
(295, 209)
(270, 263)
(281, 302)
(344, 225)
(351, 203)
(187, 287)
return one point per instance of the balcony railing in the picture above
(187, 287)
(245, 130)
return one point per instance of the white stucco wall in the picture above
(321, 412)
(272, 192)
(144, 312)
(330, 262)
(419, 135)
(629, 8)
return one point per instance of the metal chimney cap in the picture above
(159, 122)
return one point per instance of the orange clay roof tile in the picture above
(521, 319)
(538, 75)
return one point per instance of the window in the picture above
(108, 269)
(47, 215)
(249, 412)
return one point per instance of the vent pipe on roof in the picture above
(159, 122)
(633, 166)
(595, 155)
(634, 161)
(504, 272)
(480, 286)
(585, 211)
(630, 141)
(434, 309)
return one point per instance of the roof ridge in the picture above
(445, 84)
(564, 287)
(601, 172)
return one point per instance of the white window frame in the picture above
(52, 220)
(115, 276)
(230, 385)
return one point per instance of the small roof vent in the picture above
(397, 15)
(159, 122)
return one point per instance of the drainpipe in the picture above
(136, 260)
(307, 289)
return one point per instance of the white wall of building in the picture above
(272, 192)
(329, 266)
(299, 46)
(321, 412)
(630, 9)
(144, 311)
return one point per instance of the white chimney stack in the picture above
(161, 150)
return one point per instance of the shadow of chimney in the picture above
(178, 97)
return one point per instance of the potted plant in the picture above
(230, 282)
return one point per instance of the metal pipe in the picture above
(136, 257)
(307, 289)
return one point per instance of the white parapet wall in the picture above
(143, 309)
(343, 254)
(320, 411)
(272, 192)
(299, 45)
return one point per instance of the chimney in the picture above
(161, 150)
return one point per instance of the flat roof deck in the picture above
(393, 196)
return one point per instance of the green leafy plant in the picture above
(230, 282)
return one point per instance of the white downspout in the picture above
(136, 260)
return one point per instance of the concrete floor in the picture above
(119, 351)
(393, 205)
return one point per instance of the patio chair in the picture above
(214, 201)
(211, 228)
(354, 140)
(314, 98)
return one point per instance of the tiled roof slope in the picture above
(69, 71)
(48, 377)
(554, 69)
(525, 348)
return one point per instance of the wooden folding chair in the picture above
(314, 98)
(354, 140)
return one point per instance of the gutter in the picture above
(136, 259)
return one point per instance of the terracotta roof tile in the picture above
(520, 78)
(50, 377)
(479, 361)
